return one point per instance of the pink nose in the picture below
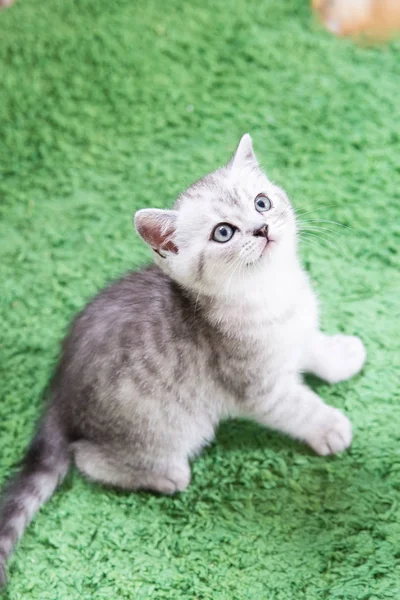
(261, 232)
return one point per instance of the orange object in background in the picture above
(371, 19)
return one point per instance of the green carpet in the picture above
(107, 107)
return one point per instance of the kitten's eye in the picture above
(223, 233)
(262, 203)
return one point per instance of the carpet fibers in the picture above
(107, 107)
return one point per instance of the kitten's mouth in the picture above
(268, 242)
(267, 246)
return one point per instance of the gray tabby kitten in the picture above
(223, 326)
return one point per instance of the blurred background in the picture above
(107, 107)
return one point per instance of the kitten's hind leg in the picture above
(334, 358)
(106, 466)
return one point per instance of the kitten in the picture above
(222, 326)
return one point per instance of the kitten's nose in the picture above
(262, 231)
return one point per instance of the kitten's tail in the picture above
(43, 467)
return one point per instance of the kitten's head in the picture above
(229, 227)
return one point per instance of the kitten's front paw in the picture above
(346, 357)
(331, 434)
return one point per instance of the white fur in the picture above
(262, 301)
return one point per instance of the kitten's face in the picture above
(232, 225)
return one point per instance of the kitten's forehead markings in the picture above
(230, 197)
(228, 216)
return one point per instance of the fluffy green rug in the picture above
(106, 107)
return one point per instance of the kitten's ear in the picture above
(157, 227)
(244, 154)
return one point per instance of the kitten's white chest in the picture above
(280, 319)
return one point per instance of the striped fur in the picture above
(43, 467)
